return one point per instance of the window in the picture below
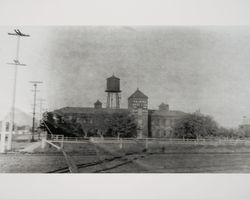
(7, 126)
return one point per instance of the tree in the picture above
(120, 124)
(193, 126)
(57, 125)
(228, 132)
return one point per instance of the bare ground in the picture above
(170, 159)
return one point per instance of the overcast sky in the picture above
(190, 68)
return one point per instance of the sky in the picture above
(188, 67)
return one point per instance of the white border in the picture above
(126, 12)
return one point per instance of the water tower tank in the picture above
(113, 85)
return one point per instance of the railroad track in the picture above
(123, 160)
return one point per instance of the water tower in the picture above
(113, 91)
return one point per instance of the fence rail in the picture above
(112, 140)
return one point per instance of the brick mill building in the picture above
(150, 123)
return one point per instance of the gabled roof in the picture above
(163, 104)
(246, 121)
(138, 94)
(113, 77)
(98, 102)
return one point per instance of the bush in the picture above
(229, 133)
(193, 126)
(57, 126)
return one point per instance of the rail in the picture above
(147, 141)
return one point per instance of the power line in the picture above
(17, 32)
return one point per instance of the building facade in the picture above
(149, 123)
(138, 106)
(163, 121)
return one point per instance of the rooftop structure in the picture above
(138, 94)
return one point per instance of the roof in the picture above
(113, 77)
(89, 110)
(246, 121)
(168, 113)
(98, 102)
(163, 104)
(138, 94)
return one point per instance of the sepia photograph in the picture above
(125, 99)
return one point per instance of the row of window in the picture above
(139, 105)
(162, 133)
(163, 122)
(140, 101)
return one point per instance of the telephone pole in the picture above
(41, 107)
(35, 83)
(18, 34)
(40, 115)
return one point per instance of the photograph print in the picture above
(125, 99)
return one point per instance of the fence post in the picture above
(62, 141)
(43, 142)
(146, 143)
(120, 145)
(236, 142)
(2, 144)
(102, 138)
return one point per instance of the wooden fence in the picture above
(148, 141)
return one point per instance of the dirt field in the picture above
(170, 159)
(157, 163)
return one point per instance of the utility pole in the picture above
(12, 117)
(40, 115)
(35, 83)
(41, 107)
(18, 34)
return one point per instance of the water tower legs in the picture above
(113, 100)
(108, 100)
(117, 97)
